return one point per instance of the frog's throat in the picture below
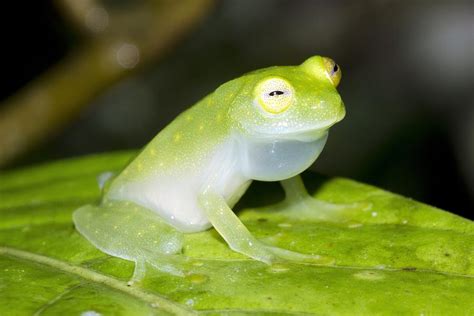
(278, 159)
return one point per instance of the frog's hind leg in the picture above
(131, 232)
(300, 204)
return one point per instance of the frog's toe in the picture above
(314, 209)
(356, 206)
(138, 273)
(170, 264)
(283, 255)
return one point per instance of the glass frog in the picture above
(268, 125)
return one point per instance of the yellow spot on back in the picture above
(177, 137)
(201, 127)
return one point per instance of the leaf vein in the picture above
(155, 301)
(55, 299)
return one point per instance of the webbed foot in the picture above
(298, 204)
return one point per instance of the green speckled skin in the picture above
(191, 136)
(270, 124)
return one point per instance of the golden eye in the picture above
(274, 95)
(333, 71)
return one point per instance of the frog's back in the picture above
(168, 172)
(189, 138)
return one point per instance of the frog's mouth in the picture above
(301, 135)
(309, 135)
(314, 133)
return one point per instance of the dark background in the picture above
(408, 74)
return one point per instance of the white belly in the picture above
(173, 194)
(173, 199)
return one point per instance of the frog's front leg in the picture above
(241, 240)
(299, 203)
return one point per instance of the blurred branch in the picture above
(121, 43)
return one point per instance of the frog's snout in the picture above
(341, 113)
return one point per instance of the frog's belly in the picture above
(174, 199)
(174, 194)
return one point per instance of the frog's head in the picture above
(292, 102)
(283, 114)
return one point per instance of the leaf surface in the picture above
(399, 257)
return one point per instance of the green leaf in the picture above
(400, 257)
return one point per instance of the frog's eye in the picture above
(333, 71)
(274, 95)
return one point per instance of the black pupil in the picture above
(276, 92)
(336, 68)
